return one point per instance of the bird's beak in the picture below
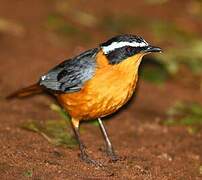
(151, 49)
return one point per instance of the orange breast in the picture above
(109, 89)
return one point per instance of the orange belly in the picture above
(109, 89)
(97, 99)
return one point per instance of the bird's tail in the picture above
(27, 91)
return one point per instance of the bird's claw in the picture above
(84, 157)
(111, 154)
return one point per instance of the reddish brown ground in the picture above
(151, 150)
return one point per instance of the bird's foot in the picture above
(111, 154)
(84, 157)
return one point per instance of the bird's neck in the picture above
(129, 64)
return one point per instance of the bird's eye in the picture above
(128, 49)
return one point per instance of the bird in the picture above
(94, 84)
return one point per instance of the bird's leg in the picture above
(109, 148)
(84, 156)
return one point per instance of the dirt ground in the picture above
(149, 150)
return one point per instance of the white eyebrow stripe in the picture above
(116, 45)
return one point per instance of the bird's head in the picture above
(122, 47)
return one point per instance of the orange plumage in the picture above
(95, 83)
(109, 89)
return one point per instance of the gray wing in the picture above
(70, 75)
